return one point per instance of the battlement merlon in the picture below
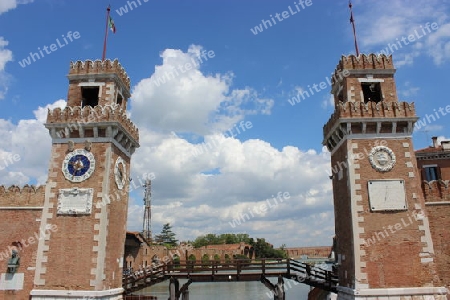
(382, 119)
(26, 197)
(99, 69)
(374, 64)
(95, 124)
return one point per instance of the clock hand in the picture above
(385, 194)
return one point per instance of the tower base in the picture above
(113, 294)
(419, 293)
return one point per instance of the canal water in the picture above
(250, 290)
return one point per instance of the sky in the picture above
(224, 138)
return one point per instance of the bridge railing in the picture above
(300, 271)
(312, 274)
(237, 265)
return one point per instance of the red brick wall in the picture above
(343, 218)
(393, 261)
(323, 251)
(70, 250)
(20, 225)
(439, 226)
(436, 190)
(117, 221)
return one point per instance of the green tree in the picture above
(227, 259)
(225, 238)
(266, 250)
(167, 236)
(205, 260)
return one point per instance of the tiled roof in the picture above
(430, 149)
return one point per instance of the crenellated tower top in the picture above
(364, 78)
(98, 83)
(365, 62)
(96, 107)
(366, 101)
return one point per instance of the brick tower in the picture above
(86, 196)
(383, 242)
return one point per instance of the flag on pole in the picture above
(111, 25)
(352, 21)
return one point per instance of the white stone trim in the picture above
(91, 84)
(41, 256)
(96, 140)
(21, 207)
(43, 247)
(426, 238)
(389, 293)
(102, 225)
(370, 80)
(113, 294)
(110, 92)
(437, 203)
(355, 208)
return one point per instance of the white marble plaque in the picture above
(387, 195)
(10, 281)
(75, 201)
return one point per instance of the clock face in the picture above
(120, 173)
(78, 165)
(382, 158)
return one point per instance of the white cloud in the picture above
(200, 187)
(183, 99)
(6, 54)
(5, 57)
(248, 174)
(408, 90)
(328, 101)
(382, 27)
(21, 161)
(439, 44)
(6, 5)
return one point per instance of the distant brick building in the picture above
(139, 253)
(434, 166)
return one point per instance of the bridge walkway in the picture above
(231, 271)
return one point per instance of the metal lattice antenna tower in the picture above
(147, 225)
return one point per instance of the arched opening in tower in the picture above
(89, 96)
(371, 91)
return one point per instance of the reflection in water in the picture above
(230, 290)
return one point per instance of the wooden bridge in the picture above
(230, 271)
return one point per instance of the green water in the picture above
(230, 290)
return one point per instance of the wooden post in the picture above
(288, 266)
(238, 269)
(279, 288)
(264, 266)
(174, 287)
(185, 295)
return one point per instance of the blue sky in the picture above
(247, 82)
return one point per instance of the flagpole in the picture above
(353, 24)
(106, 33)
